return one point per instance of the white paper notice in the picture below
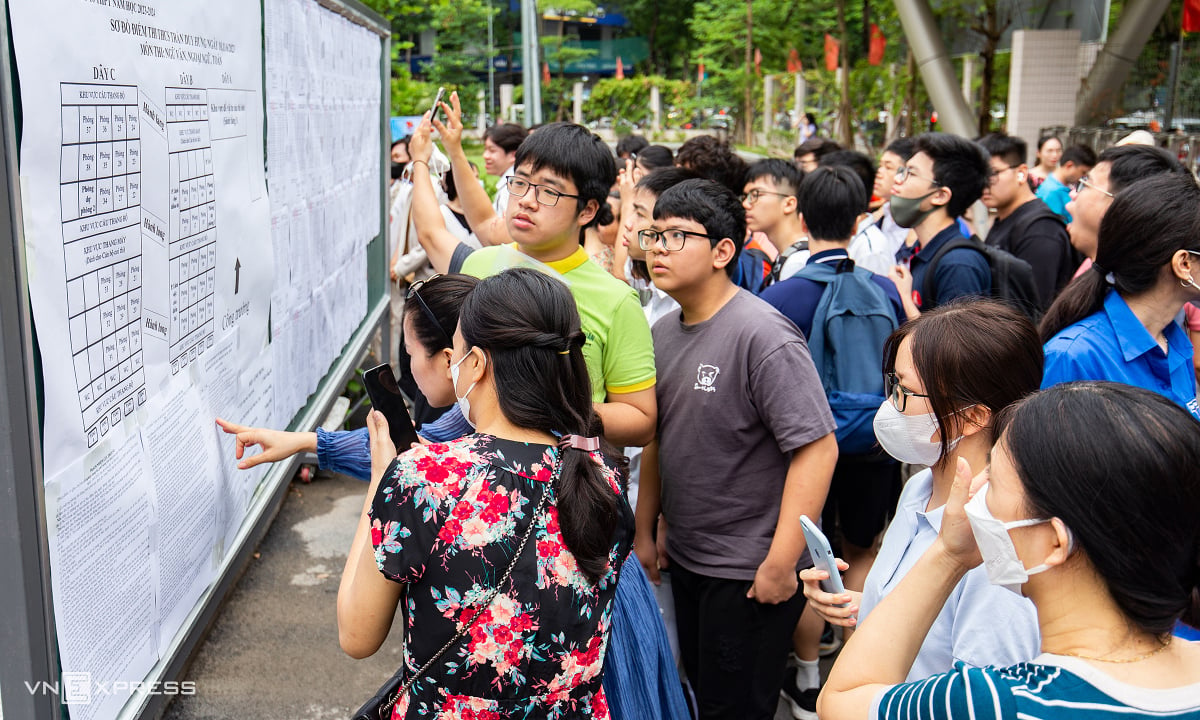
(147, 219)
(181, 449)
(100, 524)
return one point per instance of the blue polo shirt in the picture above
(960, 273)
(1112, 344)
(797, 297)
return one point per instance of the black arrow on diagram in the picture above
(237, 274)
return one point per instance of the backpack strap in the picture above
(777, 266)
(928, 286)
(1040, 213)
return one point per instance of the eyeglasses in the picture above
(1086, 182)
(906, 172)
(672, 240)
(544, 194)
(897, 393)
(414, 292)
(993, 177)
(754, 195)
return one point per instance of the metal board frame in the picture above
(27, 629)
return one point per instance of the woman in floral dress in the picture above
(443, 522)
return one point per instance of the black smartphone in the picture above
(380, 383)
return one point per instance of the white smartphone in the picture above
(822, 556)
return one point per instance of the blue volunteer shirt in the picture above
(1112, 344)
(797, 297)
(1056, 195)
(960, 273)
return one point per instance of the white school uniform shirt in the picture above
(501, 201)
(981, 624)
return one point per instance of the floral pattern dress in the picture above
(445, 521)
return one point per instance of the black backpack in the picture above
(1012, 277)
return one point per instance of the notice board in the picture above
(200, 232)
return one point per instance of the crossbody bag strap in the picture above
(391, 701)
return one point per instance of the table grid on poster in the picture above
(193, 248)
(100, 191)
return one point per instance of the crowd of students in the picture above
(605, 520)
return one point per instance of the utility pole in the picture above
(748, 102)
(530, 75)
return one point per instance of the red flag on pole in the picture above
(700, 71)
(879, 44)
(620, 69)
(546, 73)
(794, 64)
(831, 53)
(1191, 16)
(757, 61)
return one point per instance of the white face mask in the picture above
(1004, 567)
(463, 403)
(906, 437)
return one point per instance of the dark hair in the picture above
(859, 164)
(508, 136)
(1130, 499)
(402, 141)
(958, 165)
(1147, 223)
(433, 323)
(712, 158)
(1009, 148)
(818, 146)
(657, 181)
(1045, 139)
(712, 205)
(656, 156)
(525, 320)
(902, 148)
(1130, 163)
(783, 173)
(812, 119)
(831, 199)
(1078, 154)
(579, 155)
(449, 186)
(631, 144)
(971, 352)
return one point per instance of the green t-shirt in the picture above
(618, 349)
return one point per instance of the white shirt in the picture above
(873, 249)
(981, 624)
(500, 203)
(794, 262)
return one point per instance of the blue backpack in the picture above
(852, 321)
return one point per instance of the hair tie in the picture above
(564, 352)
(586, 444)
(1110, 279)
(1108, 276)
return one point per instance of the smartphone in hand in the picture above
(437, 104)
(380, 383)
(822, 556)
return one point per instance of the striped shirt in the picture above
(1051, 687)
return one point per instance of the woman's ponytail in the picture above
(529, 325)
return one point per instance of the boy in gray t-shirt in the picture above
(745, 446)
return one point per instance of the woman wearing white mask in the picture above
(948, 373)
(1088, 508)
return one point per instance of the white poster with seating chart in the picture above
(146, 211)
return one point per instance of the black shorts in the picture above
(862, 496)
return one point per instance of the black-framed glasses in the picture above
(414, 292)
(544, 194)
(1086, 182)
(755, 195)
(672, 240)
(993, 176)
(897, 393)
(904, 172)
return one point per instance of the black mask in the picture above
(397, 170)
